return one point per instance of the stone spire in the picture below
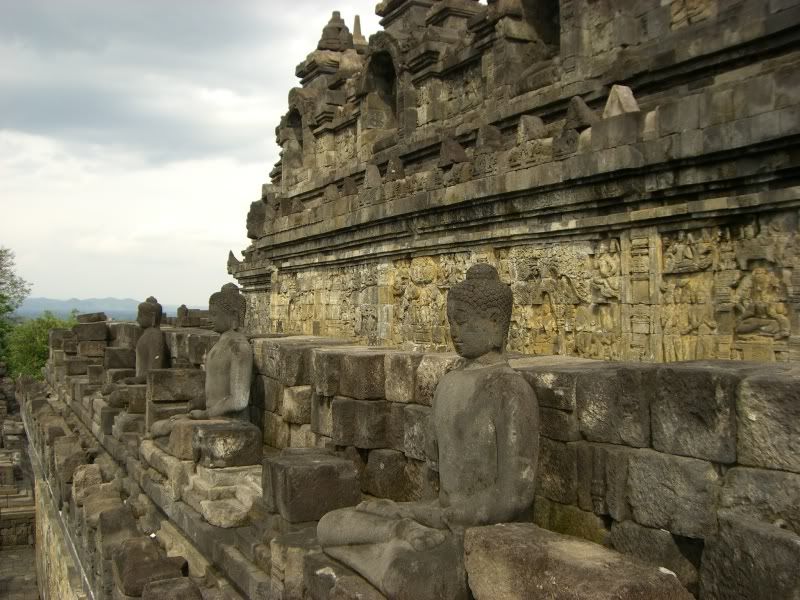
(336, 36)
(358, 38)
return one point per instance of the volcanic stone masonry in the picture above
(630, 167)
(628, 170)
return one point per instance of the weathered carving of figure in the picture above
(760, 307)
(229, 364)
(605, 283)
(151, 349)
(485, 419)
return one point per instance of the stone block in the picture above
(107, 417)
(389, 474)
(400, 369)
(276, 431)
(162, 410)
(303, 485)
(70, 345)
(96, 374)
(759, 494)
(68, 455)
(198, 345)
(83, 478)
(114, 527)
(179, 588)
(326, 579)
(267, 393)
(569, 520)
(359, 423)
(119, 358)
(750, 559)
(289, 360)
(613, 404)
(326, 370)
(656, 547)
(55, 338)
(693, 412)
(557, 474)
(603, 479)
(116, 375)
(418, 432)
(124, 335)
(131, 397)
(362, 375)
(321, 415)
(177, 385)
(92, 349)
(76, 366)
(559, 425)
(227, 443)
(296, 405)
(95, 317)
(431, 369)
(556, 383)
(87, 332)
(520, 561)
(175, 469)
(288, 553)
(301, 436)
(768, 420)
(137, 562)
(673, 493)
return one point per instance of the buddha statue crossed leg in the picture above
(486, 427)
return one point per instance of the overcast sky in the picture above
(134, 134)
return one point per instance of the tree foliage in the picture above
(28, 344)
(13, 287)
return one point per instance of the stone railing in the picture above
(686, 466)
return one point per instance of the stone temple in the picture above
(519, 319)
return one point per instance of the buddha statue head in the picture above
(227, 308)
(479, 312)
(149, 314)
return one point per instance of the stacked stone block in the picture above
(702, 451)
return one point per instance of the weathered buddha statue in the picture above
(486, 427)
(229, 365)
(151, 349)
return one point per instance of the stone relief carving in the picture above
(731, 291)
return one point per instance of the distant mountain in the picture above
(119, 309)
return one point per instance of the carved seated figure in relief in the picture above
(229, 369)
(151, 349)
(486, 426)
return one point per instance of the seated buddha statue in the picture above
(486, 427)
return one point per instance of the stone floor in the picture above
(18, 574)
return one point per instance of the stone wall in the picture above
(17, 511)
(628, 169)
(683, 466)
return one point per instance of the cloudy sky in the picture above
(134, 134)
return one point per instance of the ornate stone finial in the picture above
(335, 35)
(479, 312)
(228, 308)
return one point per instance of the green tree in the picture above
(13, 290)
(28, 344)
(13, 287)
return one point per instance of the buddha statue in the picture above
(151, 349)
(229, 363)
(486, 427)
(229, 369)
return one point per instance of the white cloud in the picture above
(135, 134)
